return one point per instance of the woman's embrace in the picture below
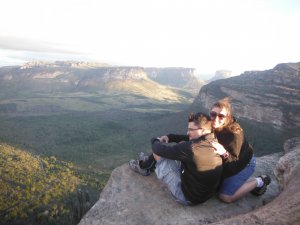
(238, 158)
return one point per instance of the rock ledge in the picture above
(132, 199)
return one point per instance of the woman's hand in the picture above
(219, 149)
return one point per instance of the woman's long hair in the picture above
(229, 123)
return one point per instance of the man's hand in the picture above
(164, 139)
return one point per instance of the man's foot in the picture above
(261, 190)
(134, 165)
(146, 162)
(142, 157)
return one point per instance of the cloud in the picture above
(17, 51)
(32, 45)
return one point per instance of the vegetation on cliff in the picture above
(40, 190)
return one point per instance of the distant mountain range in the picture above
(158, 83)
(220, 74)
(262, 100)
(271, 96)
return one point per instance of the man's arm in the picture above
(181, 151)
(176, 138)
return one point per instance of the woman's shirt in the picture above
(239, 149)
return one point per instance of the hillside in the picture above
(39, 190)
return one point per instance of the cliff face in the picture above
(271, 96)
(129, 198)
(91, 75)
(72, 73)
(176, 77)
(101, 76)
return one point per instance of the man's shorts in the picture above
(169, 171)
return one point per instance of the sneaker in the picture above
(134, 165)
(147, 162)
(261, 190)
(142, 157)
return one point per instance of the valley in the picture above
(95, 118)
(74, 130)
(93, 131)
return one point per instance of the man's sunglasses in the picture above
(213, 115)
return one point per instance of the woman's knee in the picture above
(226, 198)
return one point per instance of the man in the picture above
(191, 168)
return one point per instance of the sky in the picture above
(210, 35)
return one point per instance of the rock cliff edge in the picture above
(129, 198)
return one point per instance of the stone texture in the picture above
(129, 198)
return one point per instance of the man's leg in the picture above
(168, 171)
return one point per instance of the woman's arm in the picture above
(220, 150)
(232, 142)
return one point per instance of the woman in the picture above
(239, 161)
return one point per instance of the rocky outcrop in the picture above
(104, 75)
(72, 70)
(271, 96)
(220, 74)
(129, 198)
(175, 77)
(284, 209)
(75, 64)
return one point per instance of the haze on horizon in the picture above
(207, 35)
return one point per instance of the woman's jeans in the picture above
(231, 184)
